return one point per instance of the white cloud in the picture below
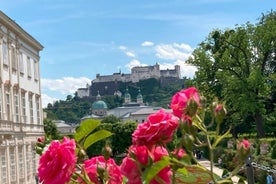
(66, 85)
(47, 99)
(134, 63)
(187, 70)
(130, 54)
(147, 44)
(179, 53)
(126, 51)
(122, 47)
(173, 51)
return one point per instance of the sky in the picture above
(82, 38)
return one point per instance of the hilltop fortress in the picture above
(109, 84)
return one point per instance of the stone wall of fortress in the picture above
(109, 84)
(139, 73)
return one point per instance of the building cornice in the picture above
(22, 34)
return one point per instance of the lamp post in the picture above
(249, 170)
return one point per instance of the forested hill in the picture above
(74, 108)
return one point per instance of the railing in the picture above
(248, 168)
(6, 126)
(9, 127)
(263, 167)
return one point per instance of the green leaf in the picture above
(97, 136)
(183, 171)
(156, 167)
(86, 127)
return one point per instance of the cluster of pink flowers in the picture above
(98, 166)
(139, 158)
(158, 130)
(183, 99)
(150, 137)
(148, 147)
(58, 163)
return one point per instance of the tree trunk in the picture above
(259, 125)
(234, 133)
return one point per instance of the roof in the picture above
(149, 110)
(62, 125)
(125, 111)
(92, 116)
(99, 105)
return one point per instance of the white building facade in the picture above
(21, 116)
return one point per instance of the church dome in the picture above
(99, 105)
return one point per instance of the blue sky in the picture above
(84, 37)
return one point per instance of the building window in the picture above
(31, 106)
(16, 106)
(12, 165)
(5, 54)
(20, 162)
(37, 100)
(13, 58)
(23, 106)
(21, 63)
(8, 105)
(35, 70)
(34, 159)
(1, 109)
(28, 160)
(3, 167)
(29, 68)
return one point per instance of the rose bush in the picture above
(139, 158)
(57, 164)
(157, 130)
(97, 167)
(148, 159)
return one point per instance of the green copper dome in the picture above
(139, 94)
(127, 95)
(99, 105)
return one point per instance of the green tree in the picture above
(238, 65)
(110, 119)
(50, 129)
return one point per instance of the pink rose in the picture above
(93, 165)
(181, 99)
(158, 152)
(138, 158)
(140, 153)
(218, 108)
(245, 144)
(130, 170)
(166, 173)
(131, 166)
(220, 112)
(41, 139)
(243, 149)
(179, 153)
(187, 119)
(57, 164)
(157, 130)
